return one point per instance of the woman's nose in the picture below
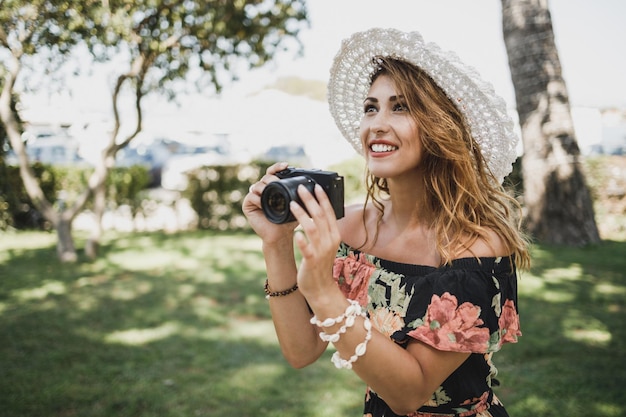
(380, 122)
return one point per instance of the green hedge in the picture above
(16, 208)
(61, 186)
(216, 194)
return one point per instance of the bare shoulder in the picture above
(492, 245)
(351, 225)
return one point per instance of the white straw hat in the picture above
(485, 111)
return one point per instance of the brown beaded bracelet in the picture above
(269, 293)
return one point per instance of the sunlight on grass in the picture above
(255, 371)
(608, 410)
(558, 296)
(235, 330)
(334, 402)
(559, 275)
(140, 260)
(543, 287)
(40, 293)
(136, 337)
(255, 329)
(609, 289)
(529, 283)
(26, 240)
(131, 290)
(93, 281)
(583, 328)
(539, 405)
(212, 276)
(204, 307)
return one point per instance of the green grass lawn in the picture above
(177, 325)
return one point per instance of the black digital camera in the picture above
(277, 195)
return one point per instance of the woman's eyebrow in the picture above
(392, 98)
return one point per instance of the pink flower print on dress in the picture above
(480, 406)
(448, 326)
(385, 321)
(352, 274)
(509, 323)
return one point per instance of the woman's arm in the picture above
(298, 338)
(290, 313)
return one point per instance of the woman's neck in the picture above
(406, 205)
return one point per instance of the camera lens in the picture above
(277, 195)
(277, 203)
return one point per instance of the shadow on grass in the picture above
(573, 311)
(158, 326)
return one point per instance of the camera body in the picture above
(277, 195)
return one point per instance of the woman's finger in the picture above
(277, 167)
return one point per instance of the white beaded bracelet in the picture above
(352, 309)
(360, 350)
(335, 336)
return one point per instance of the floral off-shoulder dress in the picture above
(469, 306)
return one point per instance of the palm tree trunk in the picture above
(558, 202)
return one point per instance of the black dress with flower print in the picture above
(469, 306)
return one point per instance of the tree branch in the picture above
(15, 138)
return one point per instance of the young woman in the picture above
(415, 288)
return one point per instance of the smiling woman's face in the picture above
(389, 134)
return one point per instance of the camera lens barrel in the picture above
(277, 195)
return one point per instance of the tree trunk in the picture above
(62, 221)
(559, 205)
(92, 245)
(65, 244)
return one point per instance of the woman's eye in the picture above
(400, 107)
(369, 108)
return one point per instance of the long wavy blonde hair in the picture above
(463, 196)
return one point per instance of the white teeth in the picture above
(381, 147)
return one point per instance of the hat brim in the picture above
(485, 111)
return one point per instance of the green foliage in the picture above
(71, 181)
(353, 172)
(16, 208)
(173, 37)
(177, 326)
(30, 27)
(515, 180)
(124, 185)
(216, 194)
(62, 185)
(597, 175)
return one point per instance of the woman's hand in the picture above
(267, 231)
(318, 243)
